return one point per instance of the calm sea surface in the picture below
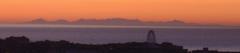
(216, 38)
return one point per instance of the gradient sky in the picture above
(225, 12)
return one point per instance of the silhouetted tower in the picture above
(151, 37)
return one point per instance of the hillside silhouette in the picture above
(24, 45)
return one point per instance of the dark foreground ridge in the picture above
(24, 45)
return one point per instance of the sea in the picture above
(190, 37)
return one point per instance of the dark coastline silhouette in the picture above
(24, 45)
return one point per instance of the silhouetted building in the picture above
(151, 37)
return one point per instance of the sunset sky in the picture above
(225, 12)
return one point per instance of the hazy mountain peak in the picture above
(39, 21)
(175, 21)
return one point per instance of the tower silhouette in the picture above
(151, 37)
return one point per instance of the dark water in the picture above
(191, 38)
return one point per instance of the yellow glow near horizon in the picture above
(196, 11)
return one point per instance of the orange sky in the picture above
(225, 12)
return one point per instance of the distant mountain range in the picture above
(115, 21)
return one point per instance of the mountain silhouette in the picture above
(175, 22)
(114, 21)
(43, 21)
(39, 21)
